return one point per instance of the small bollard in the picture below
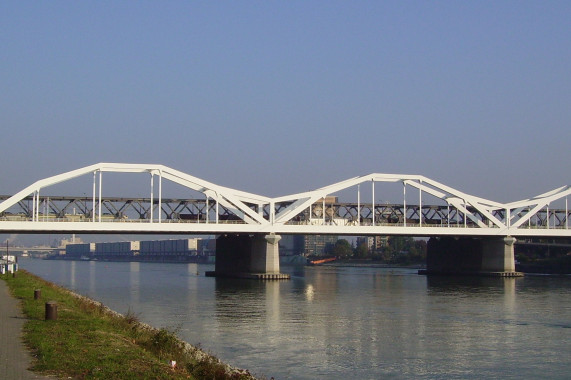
(37, 294)
(51, 311)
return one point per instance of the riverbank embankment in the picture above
(90, 341)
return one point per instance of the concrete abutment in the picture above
(488, 256)
(248, 256)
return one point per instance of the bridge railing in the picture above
(114, 220)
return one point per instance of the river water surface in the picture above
(340, 322)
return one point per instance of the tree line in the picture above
(400, 250)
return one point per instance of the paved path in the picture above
(14, 357)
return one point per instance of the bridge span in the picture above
(437, 211)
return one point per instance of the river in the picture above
(338, 322)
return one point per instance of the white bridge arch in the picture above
(295, 213)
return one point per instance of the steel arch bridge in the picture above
(221, 209)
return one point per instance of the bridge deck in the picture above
(138, 227)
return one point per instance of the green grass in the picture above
(89, 341)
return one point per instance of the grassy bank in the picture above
(90, 341)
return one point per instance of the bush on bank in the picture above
(90, 341)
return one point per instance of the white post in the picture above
(217, 208)
(420, 204)
(508, 218)
(207, 208)
(323, 210)
(160, 195)
(359, 204)
(152, 195)
(465, 213)
(99, 203)
(448, 214)
(38, 207)
(373, 200)
(93, 203)
(547, 218)
(310, 212)
(404, 201)
(34, 206)
(566, 215)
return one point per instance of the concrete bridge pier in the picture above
(489, 256)
(248, 256)
(498, 255)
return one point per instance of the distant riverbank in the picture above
(370, 264)
(558, 265)
(555, 266)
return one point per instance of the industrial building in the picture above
(182, 250)
(374, 243)
(306, 245)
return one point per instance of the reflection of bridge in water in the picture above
(429, 209)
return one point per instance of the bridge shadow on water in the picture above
(470, 284)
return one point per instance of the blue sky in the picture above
(281, 97)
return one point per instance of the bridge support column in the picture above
(498, 255)
(491, 256)
(248, 256)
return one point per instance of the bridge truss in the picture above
(222, 209)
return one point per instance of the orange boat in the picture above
(321, 261)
